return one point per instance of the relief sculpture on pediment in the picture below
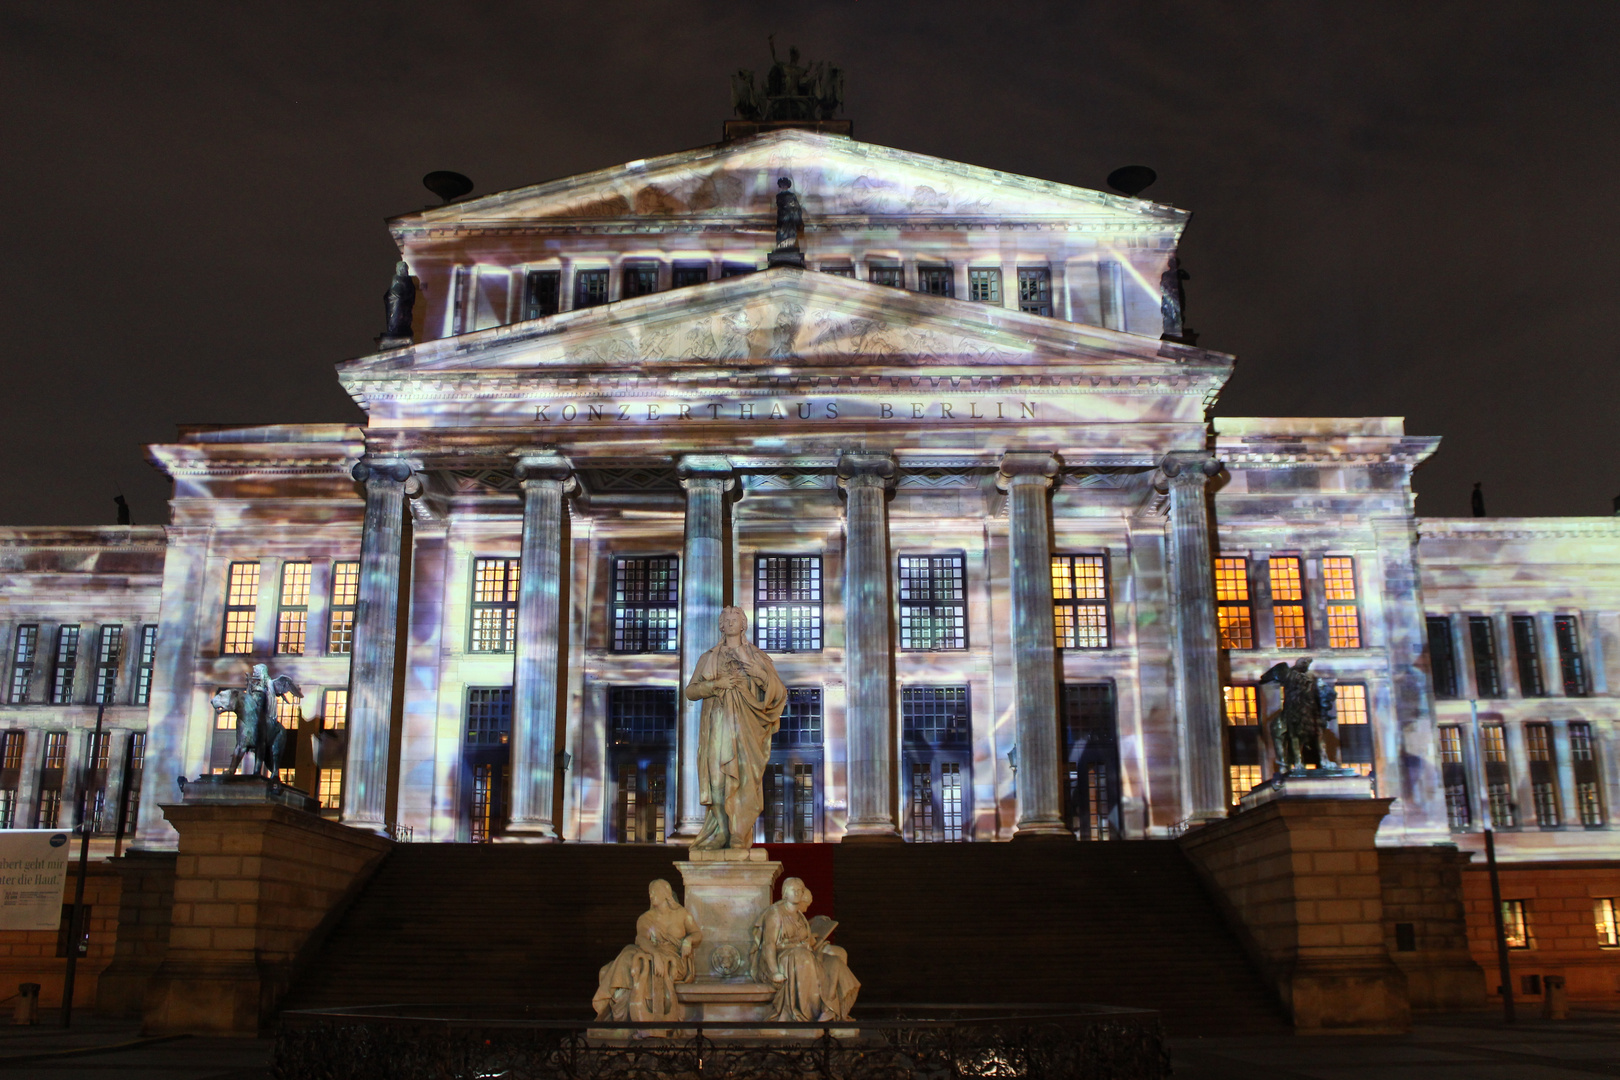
(785, 334)
(653, 200)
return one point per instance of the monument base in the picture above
(726, 891)
(785, 258)
(234, 790)
(1325, 782)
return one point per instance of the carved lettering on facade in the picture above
(666, 412)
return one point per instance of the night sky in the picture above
(1403, 209)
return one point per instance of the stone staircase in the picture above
(1117, 923)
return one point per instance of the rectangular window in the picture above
(494, 605)
(933, 602)
(11, 751)
(787, 603)
(1339, 587)
(801, 719)
(790, 802)
(885, 274)
(460, 285)
(1498, 786)
(345, 597)
(143, 669)
(11, 754)
(1538, 742)
(1454, 774)
(1242, 739)
(688, 273)
(736, 269)
(984, 285)
(135, 766)
(935, 734)
(1080, 601)
(1482, 635)
(1035, 290)
(109, 652)
(1288, 603)
(489, 716)
(50, 781)
(1525, 648)
(241, 605)
(67, 664)
(225, 719)
(1516, 924)
(1606, 912)
(838, 269)
(24, 655)
(935, 716)
(50, 808)
(540, 293)
(640, 278)
(590, 288)
(335, 709)
(292, 617)
(1583, 756)
(1355, 728)
(1442, 658)
(330, 790)
(1571, 666)
(936, 281)
(1234, 619)
(646, 604)
(8, 808)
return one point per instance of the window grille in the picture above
(1355, 728)
(135, 765)
(933, 602)
(736, 269)
(99, 750)
(241, 606)
(1526, 651)
(801, 719)
(1244, 766)
(540, 293)
(923, 820)
(1498, 786)
(641, 808)
(11, 751)
(225, 719)
(1516, 923)
(787, 603)
(50, 781)
(1035, 290)
(1442, 658)
(288, 777)
(1546, 797)
(1233, 617)
(935, 716)
(984, 285)
(884, 274)
(1482, 635)
(1288, 603)
(1080, 601)
(460, 285)
(109, 651)
(8, 808)
(1538, 742)
(489, 716)
(24, 655)
(1344, 617)
(494, 605)
(335, 709)
(330, 789)
(67, 663)
(1606, 912)
(145, 662)
(1091, 752)
(790, 802)
(935, 281)
(489, 783)
(685, 274)
(640, 279)
(646, 604)
(292, 615)
(50, 808)
(1454, 775)
(345, 597)
(1572, 667)
(641, 715)
(590, 288)
(1582, 755)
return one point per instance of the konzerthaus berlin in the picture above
(1019, 572)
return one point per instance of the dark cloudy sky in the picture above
(1398, 208)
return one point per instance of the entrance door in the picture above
(1091, 760)
(486, 763)
(641, 722)
(936, 761)
(793, 777)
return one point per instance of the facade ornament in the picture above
(640, 984)
(811, 976)
(257, 727)
(1309, 705)
(398, 303)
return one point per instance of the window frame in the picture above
(345, 588)
(1359, 693)
(1442, 660)
(65, 663)
(931, 608)
(633, 274)
(288, 613)
(1288, 596)
(1241, 606)
(1527, 656)
(984, 285)
(145, 665)
(1240, 715)
(1077, 604)
(237, 614)
(542, 290)
(23, 668)
(1036, 301)
(878, 272)
(953, 751)
(621, 604)
(585, 279)
(686, 268)
(1487, 665)
(813, 606)
(1516, 924)
(109, 657)
(936, 279)
(1342, 603)
(506, 607)
(1571, 662)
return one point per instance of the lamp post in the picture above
(1483, 803)
(76, 919)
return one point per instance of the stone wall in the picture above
(145, 907)
(1426, 927)
(31, 955)
(1559, 899)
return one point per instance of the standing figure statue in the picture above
(812, 977)
(639, 985)
(742, 708)
(399, 301)
(789, 216)
(257, 728)
(1173, 299)
(1308, 705)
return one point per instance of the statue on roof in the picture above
(789, 216)
(793, 90)
(398, 302)
(1173, 299)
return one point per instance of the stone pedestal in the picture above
(223, 790)
(1318, 783)
(725, 892)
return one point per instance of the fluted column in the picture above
(1192, 586)
(703, 589)
(545, 479)
(868, 645)
(1039, 789)
(371, 671)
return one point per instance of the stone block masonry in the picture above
(1426, 927)
(37, 956)
(1559, 901)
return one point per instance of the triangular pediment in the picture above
(836, 178)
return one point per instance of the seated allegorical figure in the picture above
(812, 977)
(639, 985)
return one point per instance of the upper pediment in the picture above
(835, 177)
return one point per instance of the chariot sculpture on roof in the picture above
(792, 90)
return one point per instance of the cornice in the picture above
(88, 538)
(1581, 528)
(764, 225)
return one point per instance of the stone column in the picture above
(703, 589)
(868, 646)
(545, 479)
(371, 671)
(1039, 785)
(1192, 586)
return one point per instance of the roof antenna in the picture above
(447, 185)
(1132, 179)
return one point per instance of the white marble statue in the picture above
(639, 985)
(742, 708)
(811, 976)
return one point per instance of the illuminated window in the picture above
(50, 808)
(1454, 774)
(132, 793)
(345, 596)
(146, 660)
(933, 602)
(1339, 586)
(935, 281)
(1608, 925)
(1355, 728)
(56, 752)
(24, 655)
(646, 604)
(1516, 924)
(241, 605)
(1482, 635)
(1442, 658)
(1035, 290)
(1583, 757)
(67, 664)
(109, 650)
(494, 605)
(640, 279)
(289, 714)
(11, 751)
(292, 617)
(685, 274)
(1538, 743)
(984, 284)
(1233, 617)
(590, 288)
(489, 783)
(1288, 603)
(99, 749)
(1571, 666)
(1080, 601)
(289, 777)
(330, 789)
(935, 739)
(8, 808)
(1526, 649)
(838, 269)
(787, 603)
(886, 274)
(1244, 764)
(1498, 785)
(540, 293)
(335, 709)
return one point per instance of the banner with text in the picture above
(33, 877)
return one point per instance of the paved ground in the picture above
(1468, 1047)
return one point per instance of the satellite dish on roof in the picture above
(448, 186)
(1131, 179)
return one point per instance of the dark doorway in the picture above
(1091, 760)
(641, 723)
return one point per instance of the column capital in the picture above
(371, 468)
(858, 468)
(544, 465)
(1186, 468)
(1021, 469)
(699, 471)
